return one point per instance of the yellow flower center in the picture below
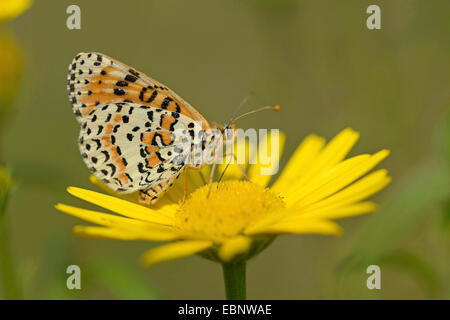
(230, 207)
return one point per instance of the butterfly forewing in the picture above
(95, 79)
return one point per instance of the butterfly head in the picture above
(229, 133)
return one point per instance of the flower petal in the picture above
(301, 226)
(10, 9)
(126, 208)
(300, 162)
(347, 211)
(195, 179)
(334, 179)
(145, 230)
(271, 147)
(234, 246)
(174, 250)
(336, 150)
(359, 190)
(333, 153)
(173, 195)
(103, 233)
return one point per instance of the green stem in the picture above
(234, 276)
(7, 272)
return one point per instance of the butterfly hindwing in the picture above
(133, 147)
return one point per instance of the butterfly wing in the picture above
(127, 125)
(95, 79)
(133, 147)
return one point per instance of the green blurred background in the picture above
(318, 60)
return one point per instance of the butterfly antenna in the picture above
(239, 107)
(275, 108)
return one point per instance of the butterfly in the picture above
(137, 134)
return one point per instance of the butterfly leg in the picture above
(223, 172)
(240, 167)
(211, 176)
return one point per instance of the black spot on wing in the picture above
(113, 168)
(119, 92)
(106, 155)
(134, 72)
(121, 83)
(141, 94)
(130, 78)
(166, 102)
(153, 96)
(141, 168)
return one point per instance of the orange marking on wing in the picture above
(106, 140)
(89, 107)
(206, 126)
(104, 97)
(108, 69)
(146, 95)
(153, 160)
(151, 149)
(172, 107)
(166, 137)
(120, 164)
(115, 153)
(101, 88)
(167, 122)
(117, 117)
(109, 128)
(147, 137)
(123, 178)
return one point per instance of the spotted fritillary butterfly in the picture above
(128, 123)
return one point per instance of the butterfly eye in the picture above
(229, 133)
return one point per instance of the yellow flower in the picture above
(10, 9)
(240, 218)
(10, 72)
(10, 55)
